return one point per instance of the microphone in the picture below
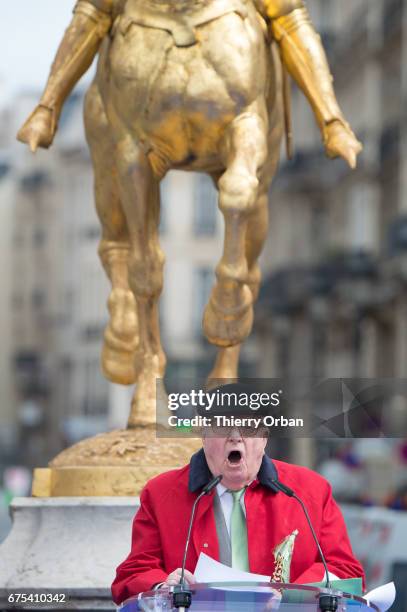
(327, 603)
(182, 594)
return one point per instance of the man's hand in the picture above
(39, 129)
(341, 141)
(175, 577)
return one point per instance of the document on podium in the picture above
(209, 570)
(382, 596)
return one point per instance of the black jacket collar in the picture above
(200, 475)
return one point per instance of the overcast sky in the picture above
(30, 31)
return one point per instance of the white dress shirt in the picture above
(226, 502)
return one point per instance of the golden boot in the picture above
(304, 57)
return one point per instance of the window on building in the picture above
(95, 400)
(91, 233)
(38, 298)
(164, 205)
(319, 241)
(204, 279)
(92, 333)
(362, 221)
(17, 301)
(205, 206)
(18, 239)
(38, 237)
(66, 378)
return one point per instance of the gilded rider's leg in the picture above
(305, 59)
(121, 333)
(228, 316)
(75, 54)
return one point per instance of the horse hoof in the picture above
(228, 326)
(121, 339)
(122, 308)
(118, 366)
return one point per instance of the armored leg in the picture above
(305, 59)
(76, 52)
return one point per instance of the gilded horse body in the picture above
(193, 85)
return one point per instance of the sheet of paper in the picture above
(382, 596)
(209, 570)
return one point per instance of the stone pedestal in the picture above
(68, 545)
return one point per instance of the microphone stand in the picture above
(182, 595)
(328, 602)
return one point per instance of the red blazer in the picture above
(161, 523)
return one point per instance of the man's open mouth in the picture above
(234, 457)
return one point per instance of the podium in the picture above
(247, 597)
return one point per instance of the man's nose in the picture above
(235, 435)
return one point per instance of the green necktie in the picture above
(238, 533)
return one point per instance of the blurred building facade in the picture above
(334, 300)
(337, 241)
(57, 293)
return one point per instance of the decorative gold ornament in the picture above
(193, 85)
(283, 554)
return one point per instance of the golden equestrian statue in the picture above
(195, 85)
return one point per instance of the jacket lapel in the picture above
(204, 537)
(261, 529)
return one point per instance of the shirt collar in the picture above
(200, 474)
(220, 489)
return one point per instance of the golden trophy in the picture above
(198, 85)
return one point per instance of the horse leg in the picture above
(227, 360)
(121, 333)
(228, 315)
(140, 197)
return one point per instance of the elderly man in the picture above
(243, 523)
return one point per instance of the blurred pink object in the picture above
(17, 480)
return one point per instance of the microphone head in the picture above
(212, 484)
